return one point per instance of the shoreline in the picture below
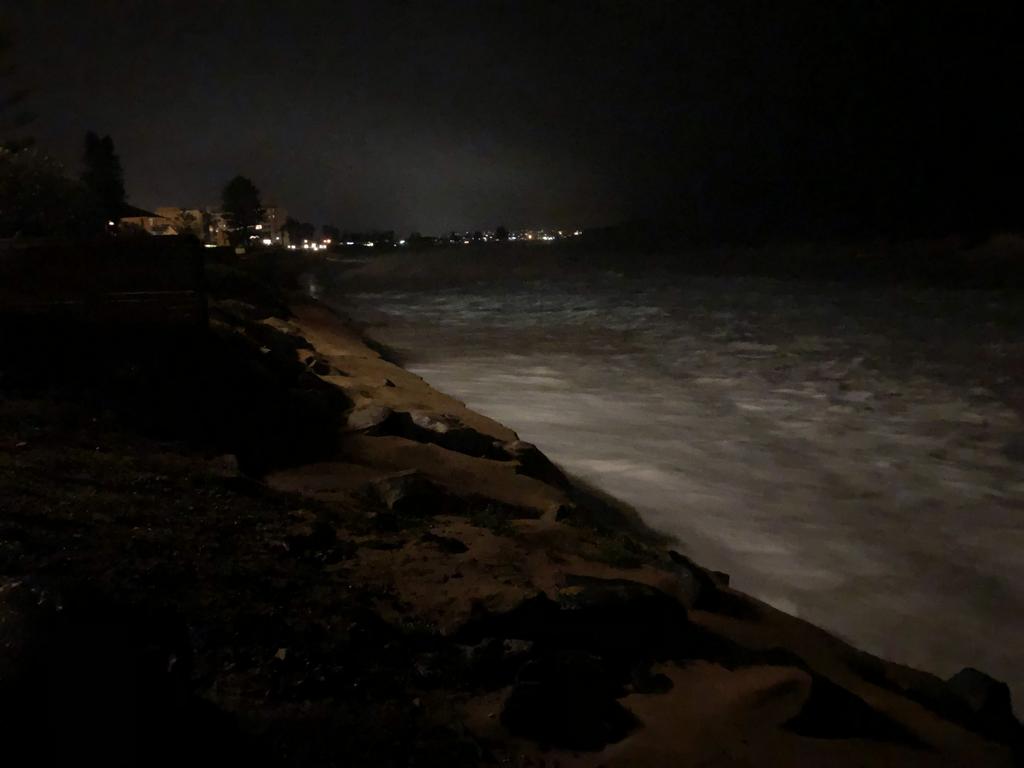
(741, 604)
(796, 462)
(497, 611)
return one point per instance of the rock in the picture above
(488, 513)
(449, 433)
(516, 647)
(385, 520)
(989, 702)
(716, 578)
(429, 670)
(564, 513)
(493, 662)
(439, 424)
(709, 588)
(367, 417)
(447, 544)
(568, 700)
(535, 464)
(832, 712)
(616, 618)
(225, 466)
(625, 615)
(983, 694)
(410, 493)
(443, 430)
(311, 537)
(318, 364)
(646, 682)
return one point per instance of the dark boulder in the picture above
(613, 617)
(712, 593)
(832, 712)
(618, 610)
(493, 662)
(533, 463)
(412, 494)
(367, 417)
(989, 703)
(320, 365)
(567, 699)
(318, 540)
(442, 430)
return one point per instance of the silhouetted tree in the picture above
(37, 198)
(501, 233)
(307, 231)
(103, 176)
(331, 232)
(242, 207)
(292, 229)
(190, 224)
(14, 118)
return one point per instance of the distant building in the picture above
(217, 228)
(133, 218)
(274, 218)
(208, 224)
(185, 220)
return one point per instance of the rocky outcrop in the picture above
(567, 699)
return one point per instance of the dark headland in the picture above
(251, 539)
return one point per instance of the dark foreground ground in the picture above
(264, 544)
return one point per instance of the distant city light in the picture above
(349, 242)
(369, 245)
(259, 226)
(401, 242)
(267, 241)
(291, 247)
(209, 245)
(110, 223)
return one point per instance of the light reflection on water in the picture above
(847, 455)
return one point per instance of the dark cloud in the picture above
(734, 117)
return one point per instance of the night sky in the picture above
(736, 120)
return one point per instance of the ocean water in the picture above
(854, 456)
